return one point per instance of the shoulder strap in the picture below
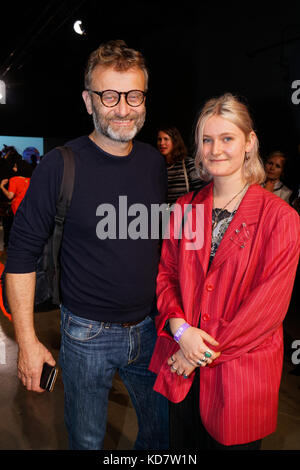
(62, 206)
(67, 184)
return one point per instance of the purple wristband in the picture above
(180, 331)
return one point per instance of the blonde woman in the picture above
(220, 324)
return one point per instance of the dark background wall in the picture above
(195, 50)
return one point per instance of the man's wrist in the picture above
(26, 341)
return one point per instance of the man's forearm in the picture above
(20, 289)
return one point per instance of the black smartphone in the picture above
(48, 377)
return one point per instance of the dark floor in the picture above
(32, 421)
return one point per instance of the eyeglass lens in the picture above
(111, 98)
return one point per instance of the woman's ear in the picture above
(252, 138)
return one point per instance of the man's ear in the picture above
(88, 101)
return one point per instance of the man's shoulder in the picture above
(53, 158)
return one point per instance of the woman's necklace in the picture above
(227, 204)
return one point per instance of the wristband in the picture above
(180, 331)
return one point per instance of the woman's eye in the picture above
(206, 140)
(227, 139)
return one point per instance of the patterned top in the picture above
(224, 219)
(179, 182)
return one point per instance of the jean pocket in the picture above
(81, 329)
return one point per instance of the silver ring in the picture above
(199, 362)
(174, 368)
(172, 358)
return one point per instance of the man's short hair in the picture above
(115, 54)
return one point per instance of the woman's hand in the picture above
(193, 345)
(179, 364)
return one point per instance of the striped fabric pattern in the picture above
(177, 185)
(241, 301)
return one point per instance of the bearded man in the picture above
(107, 284)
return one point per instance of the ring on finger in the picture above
(207, 354)
(172, 359)
(174, 368)
(200, 362)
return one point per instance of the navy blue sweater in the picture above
(110, 279)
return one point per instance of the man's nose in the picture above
(123, 107)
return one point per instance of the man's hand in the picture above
(30, 364)
(32, 354)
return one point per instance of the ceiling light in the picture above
(78, 28)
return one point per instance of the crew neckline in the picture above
(110, 155)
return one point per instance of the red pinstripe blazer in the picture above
(242, 298)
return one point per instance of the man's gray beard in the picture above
(103, 127)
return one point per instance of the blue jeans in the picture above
(91, 352)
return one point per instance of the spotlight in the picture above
(2, 92)
(77, 27)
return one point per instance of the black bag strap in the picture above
(62, 206)
(67, 185)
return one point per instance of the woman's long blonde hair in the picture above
(231, 108)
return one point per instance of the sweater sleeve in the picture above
(34, 220)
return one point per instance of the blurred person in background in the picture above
(274, 168)
(182, 176)
(17, 185)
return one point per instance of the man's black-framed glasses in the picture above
(111, 98)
